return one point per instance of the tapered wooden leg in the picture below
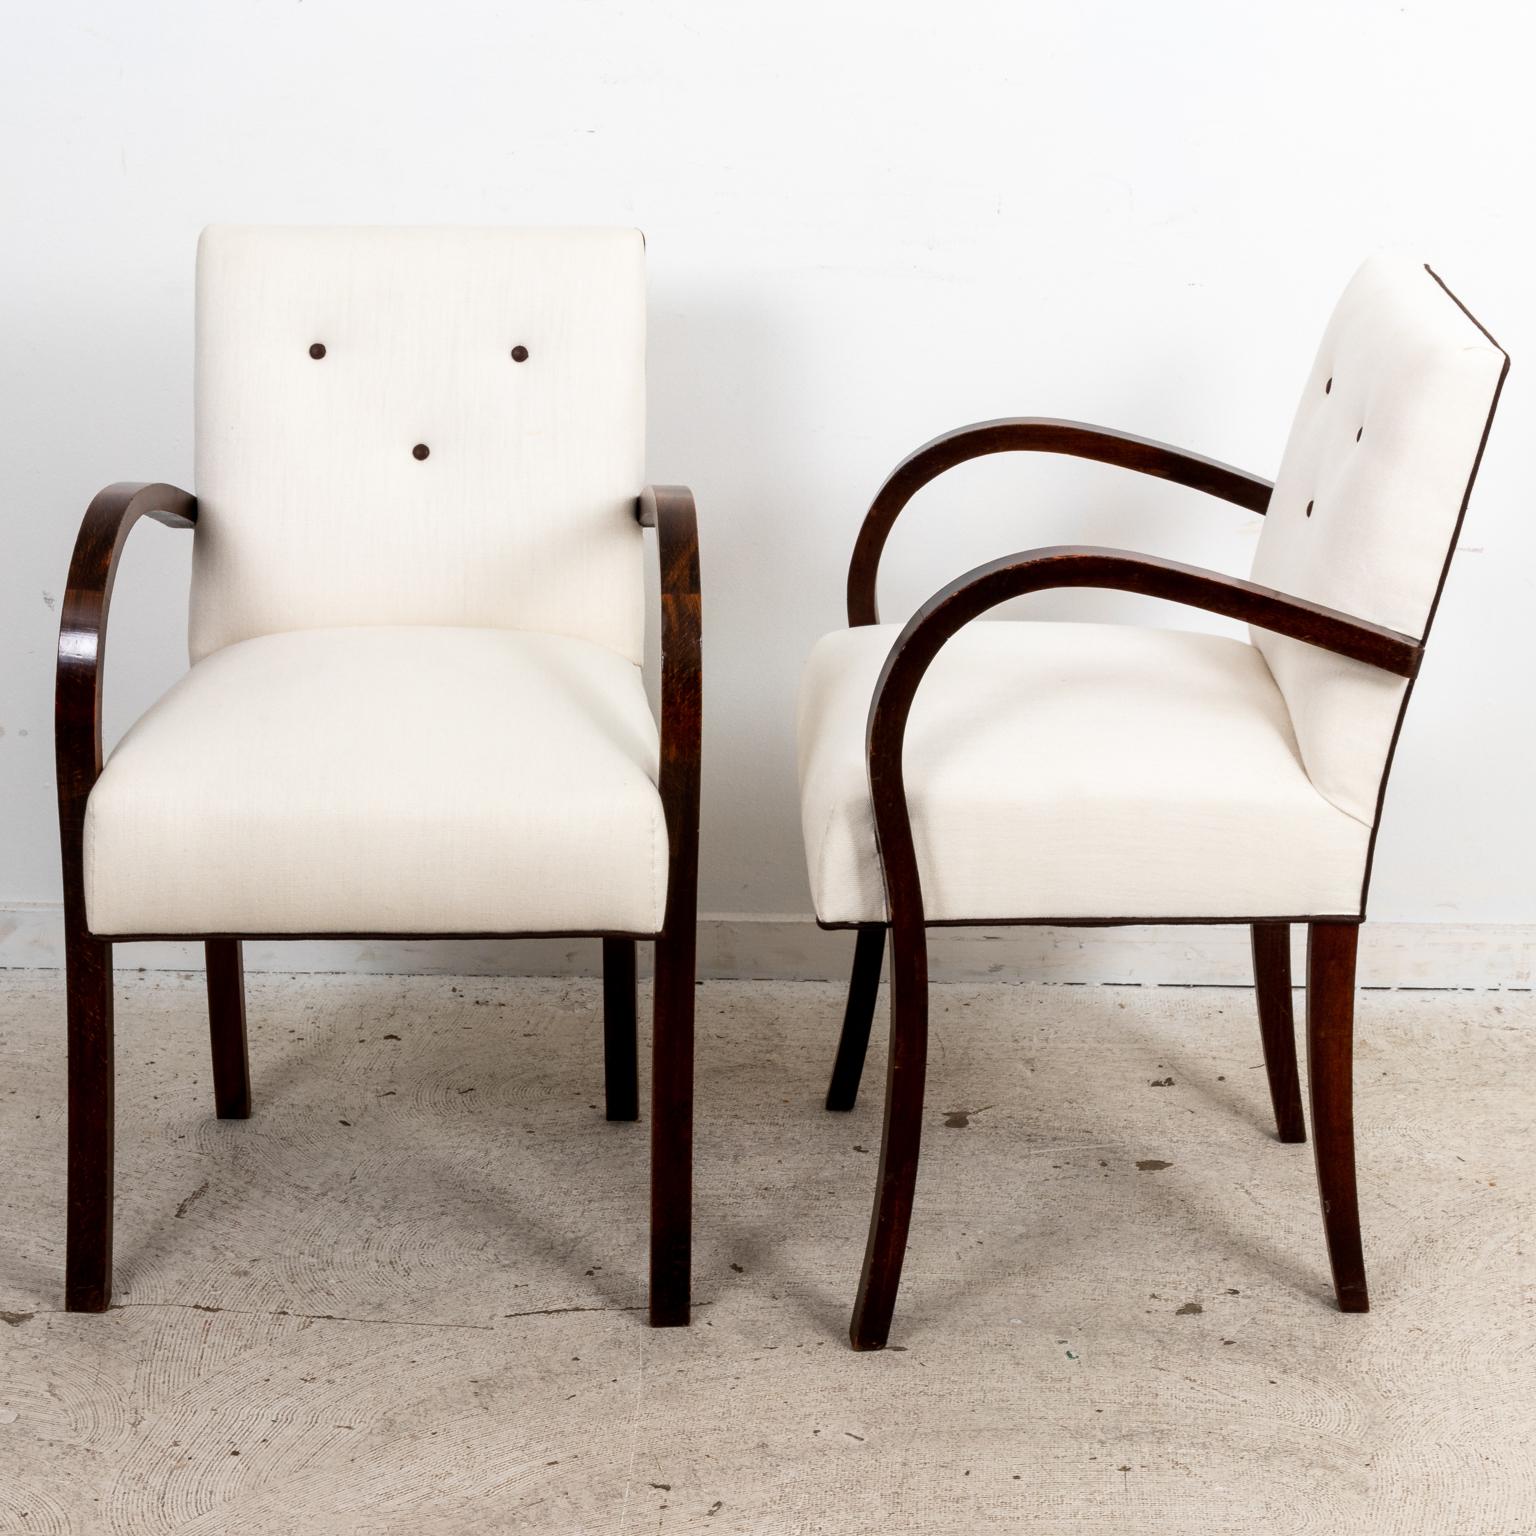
(1277, 1025)
(672, 1129)
(621, 1080)
(88, 1246)
(863, 989)
(1330, 1048)
(226, 1028)
(899, 1143)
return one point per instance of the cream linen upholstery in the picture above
(1074, 770)
(415, 704)
(312, 510)
(389, 780)
(1382, 450)
(1079, 771)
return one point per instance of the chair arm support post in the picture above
(954, 606)
(82, 651)
(670, 510)
(1031, 434)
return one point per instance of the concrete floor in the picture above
(404, 1297)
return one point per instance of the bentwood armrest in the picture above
(1066, 565)
(83, 625)
(669, 509)
(1031, 434)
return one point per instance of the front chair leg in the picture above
(672, 1128)
(226, 1028)
(858, 1015)
(899, 1143)
(1330, 1044)
(88, 1247)
(621, 1073)
(1277, 1025)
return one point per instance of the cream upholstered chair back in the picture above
(1368, 503)
(419, 427)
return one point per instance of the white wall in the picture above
(867, 223)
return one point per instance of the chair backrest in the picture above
(419, 426)
(1368, 503)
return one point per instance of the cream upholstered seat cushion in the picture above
(1074, 770)
(385, 780)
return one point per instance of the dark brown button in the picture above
(1309, 509)
(317, 350)
(420, 451)
(1328, 387)
(1359, 434)
(519, 354)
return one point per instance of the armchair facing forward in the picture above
(417, 626)
(1031, 772)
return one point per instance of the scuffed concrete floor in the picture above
(404, 1296)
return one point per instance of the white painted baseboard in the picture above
(739, 945)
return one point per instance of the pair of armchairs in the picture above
(416, 704)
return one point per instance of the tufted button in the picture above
(519, 354)
(1328, 387)
(1359, 434)
(317, 350)
(420, 451)
(1309, 509)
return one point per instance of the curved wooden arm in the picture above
(669, 509)
(82, 647)
(1031, 434)
(953, 607)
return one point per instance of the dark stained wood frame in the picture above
(88, 956)
(1332, 938)
(1029, 434)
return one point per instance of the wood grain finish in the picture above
(88, 960)
(858, 1017)
(1277, 1025)
(1030, 434)
(92, 1123)
(621, 1068)
(226, 1027)
(1084, 565)
(82, 634)
(901, 1137)
(670, 510)
(1330, 1076)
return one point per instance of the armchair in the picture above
(416, 705)
(1069, 774)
